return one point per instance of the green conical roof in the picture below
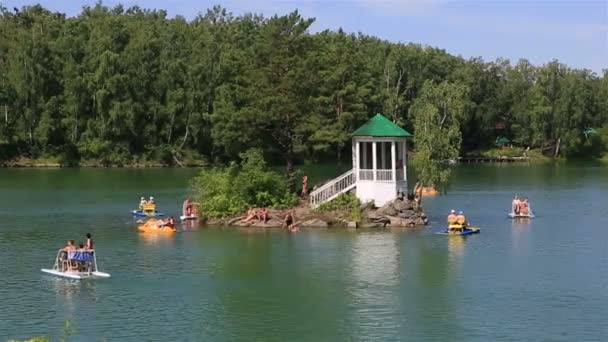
(502, 140)
(380, 126)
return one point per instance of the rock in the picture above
(351, 224)
(400, 222)
(242, 224)
(272, 223)
(236, 219)
(407, 214)
(367, 205)
(388, 210)
(401, 206)
(374, 225)
(315, 223)
(371, 214)
(420, 221)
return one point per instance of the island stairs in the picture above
(332, 189)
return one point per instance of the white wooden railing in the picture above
(366, 175)
(384, 175)
(400, 176)
(332, 189)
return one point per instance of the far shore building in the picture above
(379, 172)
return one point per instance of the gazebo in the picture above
(379, 173)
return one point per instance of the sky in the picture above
(573, 31)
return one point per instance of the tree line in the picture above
(128, 84)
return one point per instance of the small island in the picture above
(373, 194)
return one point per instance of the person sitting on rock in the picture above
(251, 214)
(288, 221)
(263, 215)
(452, 217)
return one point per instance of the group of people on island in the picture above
(263, 215)
(520, 206)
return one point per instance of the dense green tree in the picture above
(122, 85)
(437, 116)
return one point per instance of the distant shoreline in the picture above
(27, 163)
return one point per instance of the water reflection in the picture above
(519, 230)
(456, 247)
(375, 274)
(152, 239)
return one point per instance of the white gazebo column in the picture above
(405, 160)
(382, 156)
(393, 162)
(356, 160)
(374, 157)
(364, 154)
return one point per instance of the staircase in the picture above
(332, 189)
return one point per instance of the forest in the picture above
(125, 85)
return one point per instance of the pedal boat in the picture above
(461, 232)
(154, 227)
(148, 210)
(76, 265)
(188, 217)
(516, 216)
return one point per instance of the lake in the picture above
(544, 279)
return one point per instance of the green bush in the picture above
(345, 202)
(228, 191)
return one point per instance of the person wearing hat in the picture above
(152, 201)
(452, 217)
(142, 202)
(461, 219)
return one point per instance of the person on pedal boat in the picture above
(515, 205)
(142, 202)
(452, 217)
(461, 220)
(187, 208)
(170, 222)
(70, 246)
(89, 242)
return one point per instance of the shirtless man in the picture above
(515, 205)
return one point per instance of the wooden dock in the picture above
(492, 159)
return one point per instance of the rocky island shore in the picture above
(401, 212)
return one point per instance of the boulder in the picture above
(236, 219)
(401, 222)
(374, 225)
(402, 205)
(388, 210)
(407, 214)
(315, 223)
(351, 224)
(420, 221)
(272, 223)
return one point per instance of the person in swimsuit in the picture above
(142, 202)
(263, 215)
(304, 186)
(251, 214)
(187, 208)
(89, 243)
(452, 217)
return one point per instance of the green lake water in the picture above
(539, 280)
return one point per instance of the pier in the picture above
(503, 159)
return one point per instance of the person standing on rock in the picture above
(305, 186)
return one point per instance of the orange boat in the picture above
(156, 227)
(429, 191)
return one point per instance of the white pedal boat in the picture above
(188, 217)
(76, 265)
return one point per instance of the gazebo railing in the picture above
(332, 189)
(384, 175)
(400, 176)
(366, 175)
